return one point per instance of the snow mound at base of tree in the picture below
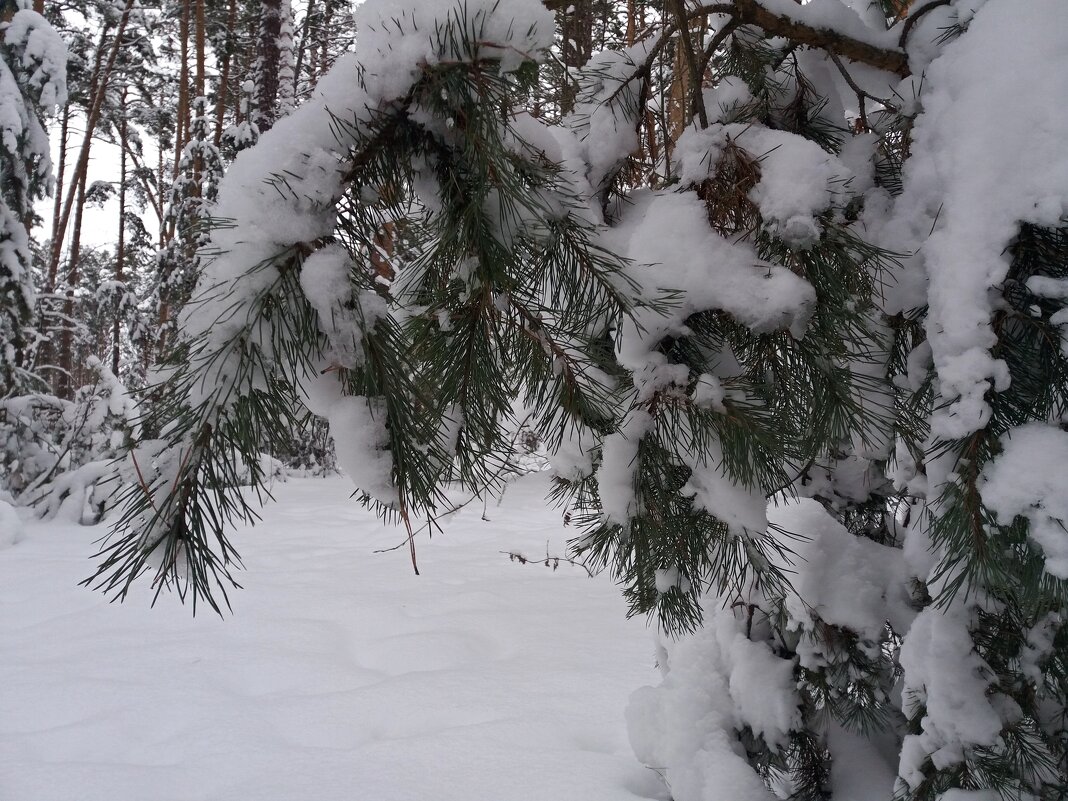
(341, 676)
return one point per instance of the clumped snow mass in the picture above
(987, 155)
(1027, 479)
(307, 147)
(798, 178)
(501, 672)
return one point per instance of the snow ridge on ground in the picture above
(341, 676)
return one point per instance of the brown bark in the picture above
(75, 201)
(576, 31)
(750, 12)
(120, 247)
(57, 201)
(200, 89)
(324, 36)
(224, 73)
(200, 34)
(59, 224)
(181, 128)
(159, 183)
(268, 57)
(305, 33)
(688, 74)
(66, 382)
(146, 186)
(99, 81)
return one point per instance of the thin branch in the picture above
(750, 12)
(915, 17)
(549, 560)
(697, 104)
(715, 44)
(861, 93)
(411, 537)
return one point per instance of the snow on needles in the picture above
(1027, 479)
(948, 680)
(987, 155)
(667, 236)
(798, 178)
(281, 196)
(42, 56)
(267, 215)
(718, 681)
(840, 578)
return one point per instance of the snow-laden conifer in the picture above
(791, 396)
(33, 61)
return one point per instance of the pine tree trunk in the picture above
(305, 33)
(576, 30)
(324, 36)
(75, 200)
(60, 220)
(224, 73)
(267, 63)
(199, 90)
(159, 183)
(140, 171)
(66, 381)
(120, 247)
(687, 78)
(182, 124)
(200, 47)
(57, 201)
(98, 80)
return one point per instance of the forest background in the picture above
(702, 257)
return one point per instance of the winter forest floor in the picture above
(340, 676)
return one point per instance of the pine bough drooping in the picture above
(815, 312)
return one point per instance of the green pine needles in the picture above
(688, 356)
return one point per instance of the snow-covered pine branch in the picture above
(817, 260)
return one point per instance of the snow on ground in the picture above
(340, 675)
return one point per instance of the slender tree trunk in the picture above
(324, 40)
(182, 125)
(120, 247)
(75, 200)
(159, 183)
(200, 47)
(267, 63)
(139, 167)
(59, 223)
(305, 32)
(650, 119)
(67, 382)
(200, 89)
(576, 30)
(57, 201)
(99, 82)
(224, 73)
(682, 77)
